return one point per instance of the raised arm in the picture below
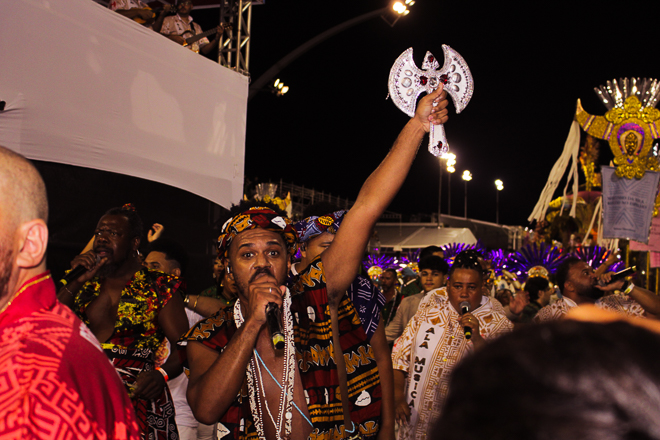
(342, 258)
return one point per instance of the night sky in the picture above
(530, 63)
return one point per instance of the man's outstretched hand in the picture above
(428, 114)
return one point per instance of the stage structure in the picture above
(86, 86)
(234, 46)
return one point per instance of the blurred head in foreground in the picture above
(561, 380)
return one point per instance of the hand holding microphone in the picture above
(467, 320)
(84, 264)
(274, 322)
(608, 279)
(266, 298)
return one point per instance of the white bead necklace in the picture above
(285, 416)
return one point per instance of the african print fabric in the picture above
(313, 226)
(555, 310)
(55, 382)
(368, 300)
(136, 339)
(141, 300)
(616, 303)
(155, 417)
(432, 344)
(315, 359)
(622, 304)
(258, 217)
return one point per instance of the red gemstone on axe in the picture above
(423, 80)
(444, 78)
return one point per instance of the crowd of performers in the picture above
(293, 343)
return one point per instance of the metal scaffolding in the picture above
(234, 47)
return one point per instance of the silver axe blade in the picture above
(407, 82)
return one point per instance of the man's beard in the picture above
(592, 292)
(6, 260)
(110, 268)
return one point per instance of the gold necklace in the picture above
(23, 289)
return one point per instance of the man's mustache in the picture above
(259, 271)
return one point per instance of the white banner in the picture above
(85, 86)
(628, 205)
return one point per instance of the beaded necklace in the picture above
(284, 416)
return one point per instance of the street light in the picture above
(467, 176)
(399, 9)
(387, 13)
(451, 161)
(446, 157)
(499, 185)
(279, 88)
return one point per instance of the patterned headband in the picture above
(313, 226)
(257, 217)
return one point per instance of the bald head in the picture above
(22, 190)
(23, 216)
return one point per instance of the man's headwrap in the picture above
(257, 217)
(313, 226)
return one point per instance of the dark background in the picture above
(530, 63)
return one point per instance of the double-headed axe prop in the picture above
(407, 82)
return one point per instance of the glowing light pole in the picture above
(446, 157)
(391, 14)
(499, 185)
(467, 176)
(451, 161)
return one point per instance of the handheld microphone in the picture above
(465, 308)
(274, 322)
(75, 273)
(620, 275)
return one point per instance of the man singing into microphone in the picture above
(131, 310)
(324, 384)
(580, 285)
(434, 341)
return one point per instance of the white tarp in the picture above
(85, 86)
(406, 236)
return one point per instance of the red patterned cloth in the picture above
(55, 381)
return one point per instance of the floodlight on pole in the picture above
(386, 13)
(499, 185)
(279, 88)
(398, 9)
